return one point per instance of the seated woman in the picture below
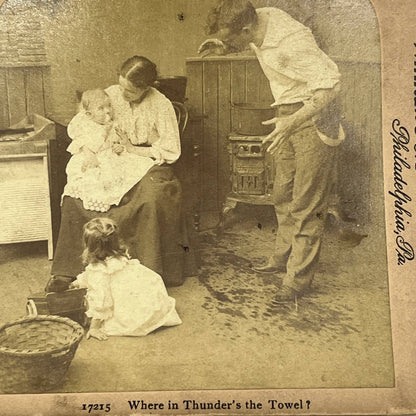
(150, 214)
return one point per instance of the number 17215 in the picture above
(94, 407)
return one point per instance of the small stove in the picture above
(252, 173)
(252, 169)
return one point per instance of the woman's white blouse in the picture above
(151, 121)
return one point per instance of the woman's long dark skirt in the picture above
(151, 225)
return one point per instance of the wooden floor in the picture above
(232, 337)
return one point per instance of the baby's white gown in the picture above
(105, 185)
(130, 298)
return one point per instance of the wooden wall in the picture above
(23, 92)
(215, 82)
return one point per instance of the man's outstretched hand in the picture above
(284, 127)
(212, 46)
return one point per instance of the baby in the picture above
(100, 171)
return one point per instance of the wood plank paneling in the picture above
(224, 128)
(265, 92)
(34, 91)
(194, 88)
(22, 93)
(210, 152)
(16, 94)
(238, 88)
(4, 107)
(238, 91)
(253, 77)
(190, 165)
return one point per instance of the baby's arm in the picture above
(91, 160)
(95, 330)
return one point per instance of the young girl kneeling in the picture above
(124, 297)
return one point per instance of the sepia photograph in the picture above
(206, 207)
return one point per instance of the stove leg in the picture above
(228, 206)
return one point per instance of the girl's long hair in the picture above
(101, 240)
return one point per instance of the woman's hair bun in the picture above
(140, 71)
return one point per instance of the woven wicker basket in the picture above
(35, 353)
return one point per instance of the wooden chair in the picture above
(182, 116)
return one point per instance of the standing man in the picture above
(303, 81)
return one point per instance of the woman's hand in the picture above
(97, 333)
(123, 137)
(118, 146)
(284, 127)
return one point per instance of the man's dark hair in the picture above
(231, 14)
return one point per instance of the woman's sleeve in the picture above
(167, 148)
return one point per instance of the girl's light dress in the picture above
(105, 185)
(130, 298)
